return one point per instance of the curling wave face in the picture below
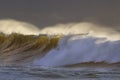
(75, 43)
(23, 49)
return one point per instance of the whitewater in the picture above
(79, 43)
(70, 51)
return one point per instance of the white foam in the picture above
(96, 43)
(76, 49)
(84, 42)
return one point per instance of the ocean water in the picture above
(47, 73)
(74, 51)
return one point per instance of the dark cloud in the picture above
(50, 12)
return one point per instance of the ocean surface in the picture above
(47, 73)
(74, 51)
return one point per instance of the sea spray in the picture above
(92, 29)
(76, 49)
(66, 44)
(82, 43)
(9, 26)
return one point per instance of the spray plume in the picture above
(12, 26)
(80, 43)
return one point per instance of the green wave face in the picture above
(24, 48)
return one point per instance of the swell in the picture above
(18, 48)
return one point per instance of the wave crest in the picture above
(9, 26)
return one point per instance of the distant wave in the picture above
(59, 45)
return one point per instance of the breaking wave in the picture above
(59, 45)
(23, 49)
(77, 49)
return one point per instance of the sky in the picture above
(51, 12)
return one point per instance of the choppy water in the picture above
(44, 73)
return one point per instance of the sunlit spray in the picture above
(12, 26)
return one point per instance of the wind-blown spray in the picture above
(59, 45)
(12, 26)
(83, 43)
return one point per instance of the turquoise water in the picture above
(45, 73)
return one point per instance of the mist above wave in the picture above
(12, 26)
(83, 28)
(79, 43)
(9, 26)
